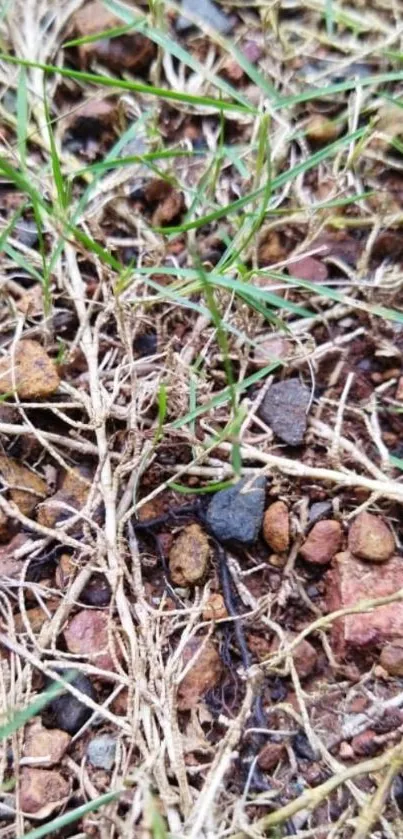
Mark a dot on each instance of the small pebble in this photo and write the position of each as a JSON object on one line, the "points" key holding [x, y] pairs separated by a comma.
{"points": [[101, 751], [370, 538], [319, 510], [392, 658], [285, 409], [322, 542], [236, 514], [302, 746], [42, 791], [364, 744], [189, 556], [66, 711], [209, 12], [203, 675], [276, 527], [270, 756]]}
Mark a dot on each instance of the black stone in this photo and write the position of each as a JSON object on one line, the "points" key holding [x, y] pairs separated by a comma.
{"points": [[146, 344], [285, 408], [397, 790], [302, 747], [235, 514], [67, 712], [97, 592]]}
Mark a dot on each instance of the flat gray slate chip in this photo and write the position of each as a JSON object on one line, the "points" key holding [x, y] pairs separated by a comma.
{"points": [[284, 409], [235, 514]]}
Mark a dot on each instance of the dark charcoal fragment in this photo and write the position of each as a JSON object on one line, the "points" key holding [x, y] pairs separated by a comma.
{"points": [[302, 747], [277, 689], [97, 592], [146, 344], [284, 409], [397, 791], [67, 712], [235, 514]]}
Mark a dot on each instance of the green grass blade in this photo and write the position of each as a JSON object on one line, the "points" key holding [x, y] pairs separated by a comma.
{"points": [[134, 87], [22, 117], [163, 40], [337, 296], [340, 87], [71, 816], [278, 181], [54, 158], [215, 486], [224, 396]]}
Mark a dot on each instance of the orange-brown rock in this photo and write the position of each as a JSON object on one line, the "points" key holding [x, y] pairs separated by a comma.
{"points": [[167, 203], [276, 527], [392, 658], [270, 756], [370, 538], [10, 564], [35, 375], [270, 349], [36, 617], [24, 487], [42, 791], [73, 493], [86, 635], [322, 542], [319, 129], [31, 302], [304, 656], [45, 745], [203, 675], [189, 556], [365, 744], [215, 608], [352, 581]]}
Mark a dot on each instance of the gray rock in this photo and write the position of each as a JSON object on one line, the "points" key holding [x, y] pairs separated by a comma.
{"points": [[284, 409], [208, 12], [235, 514], [66, 711], [101, 751], [319, 510]]}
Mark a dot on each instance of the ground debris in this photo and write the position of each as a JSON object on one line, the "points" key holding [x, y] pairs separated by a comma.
{"points": [[131, 51]]}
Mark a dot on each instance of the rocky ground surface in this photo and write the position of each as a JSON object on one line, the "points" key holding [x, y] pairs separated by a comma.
{"points": [[201, 419]]}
